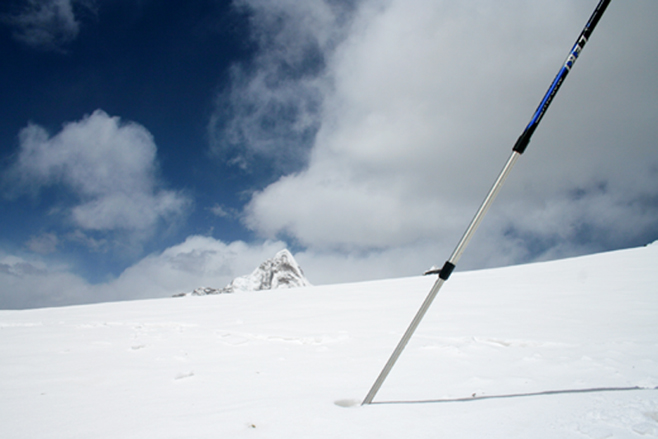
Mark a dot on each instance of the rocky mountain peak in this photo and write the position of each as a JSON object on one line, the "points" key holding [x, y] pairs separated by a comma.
{"points": [[282, 271]]}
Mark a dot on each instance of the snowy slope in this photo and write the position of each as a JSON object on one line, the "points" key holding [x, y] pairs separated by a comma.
{"points": [[272, 364]]}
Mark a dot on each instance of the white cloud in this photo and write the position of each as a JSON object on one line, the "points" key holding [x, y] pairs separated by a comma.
{"points": [[427, 99], [94, 244], [32, 283], [28, 282], [108, 164], [271, 111], [224, 211], [198, 261], [47, 24]]}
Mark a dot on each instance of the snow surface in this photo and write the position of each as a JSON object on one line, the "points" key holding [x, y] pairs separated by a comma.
{"points": [[295, 363]]}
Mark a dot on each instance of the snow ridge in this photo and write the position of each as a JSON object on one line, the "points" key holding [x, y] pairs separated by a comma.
{"points": [[282, 271]]}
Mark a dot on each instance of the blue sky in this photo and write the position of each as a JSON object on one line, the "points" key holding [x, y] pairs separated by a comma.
{"points": [[152, 63], [152, 147]]}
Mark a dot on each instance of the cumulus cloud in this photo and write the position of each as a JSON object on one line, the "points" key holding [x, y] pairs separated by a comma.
{"points": [[424, 102], [28, 282], [47, 24], [109, 165]]}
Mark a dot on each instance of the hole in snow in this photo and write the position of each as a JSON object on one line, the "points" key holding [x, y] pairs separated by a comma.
{"points": [[347, 402]]}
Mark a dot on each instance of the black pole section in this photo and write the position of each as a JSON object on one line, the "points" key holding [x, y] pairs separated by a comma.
{"points": [[519, 148], [524, 139]]}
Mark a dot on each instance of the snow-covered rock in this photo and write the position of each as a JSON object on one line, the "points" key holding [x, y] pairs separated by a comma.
{"points": [[201, 291], [282, 271]]}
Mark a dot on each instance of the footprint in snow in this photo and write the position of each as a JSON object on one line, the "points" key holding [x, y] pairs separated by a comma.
{"points": [[183, 375]]}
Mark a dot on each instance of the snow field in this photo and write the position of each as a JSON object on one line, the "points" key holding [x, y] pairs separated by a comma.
{"points": [[274, 364]]}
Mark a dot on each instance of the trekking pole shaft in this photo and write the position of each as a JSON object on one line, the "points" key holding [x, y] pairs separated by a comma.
{"points": [[484, 207], [403, 342], [475, 222], [517, 150]]}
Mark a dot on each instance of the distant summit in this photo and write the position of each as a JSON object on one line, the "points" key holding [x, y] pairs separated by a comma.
{"points": [[282, 271]]}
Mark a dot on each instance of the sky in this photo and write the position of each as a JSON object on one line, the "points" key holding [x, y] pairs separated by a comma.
{"points": [[150, 147]]}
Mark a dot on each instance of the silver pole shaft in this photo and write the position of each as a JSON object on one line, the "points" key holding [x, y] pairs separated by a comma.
{"points": [[403, 342], [477, 219], [456, 254]]}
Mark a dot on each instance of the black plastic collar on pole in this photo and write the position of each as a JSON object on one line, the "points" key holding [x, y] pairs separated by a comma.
{"points": [[518, 149], [446, 271]]}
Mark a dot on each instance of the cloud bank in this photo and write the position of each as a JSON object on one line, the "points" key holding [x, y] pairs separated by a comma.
{"points": [[421, 104], [30, 282]]}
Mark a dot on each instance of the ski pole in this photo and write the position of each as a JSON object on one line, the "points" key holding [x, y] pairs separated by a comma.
{"points": [[517, 150]]}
